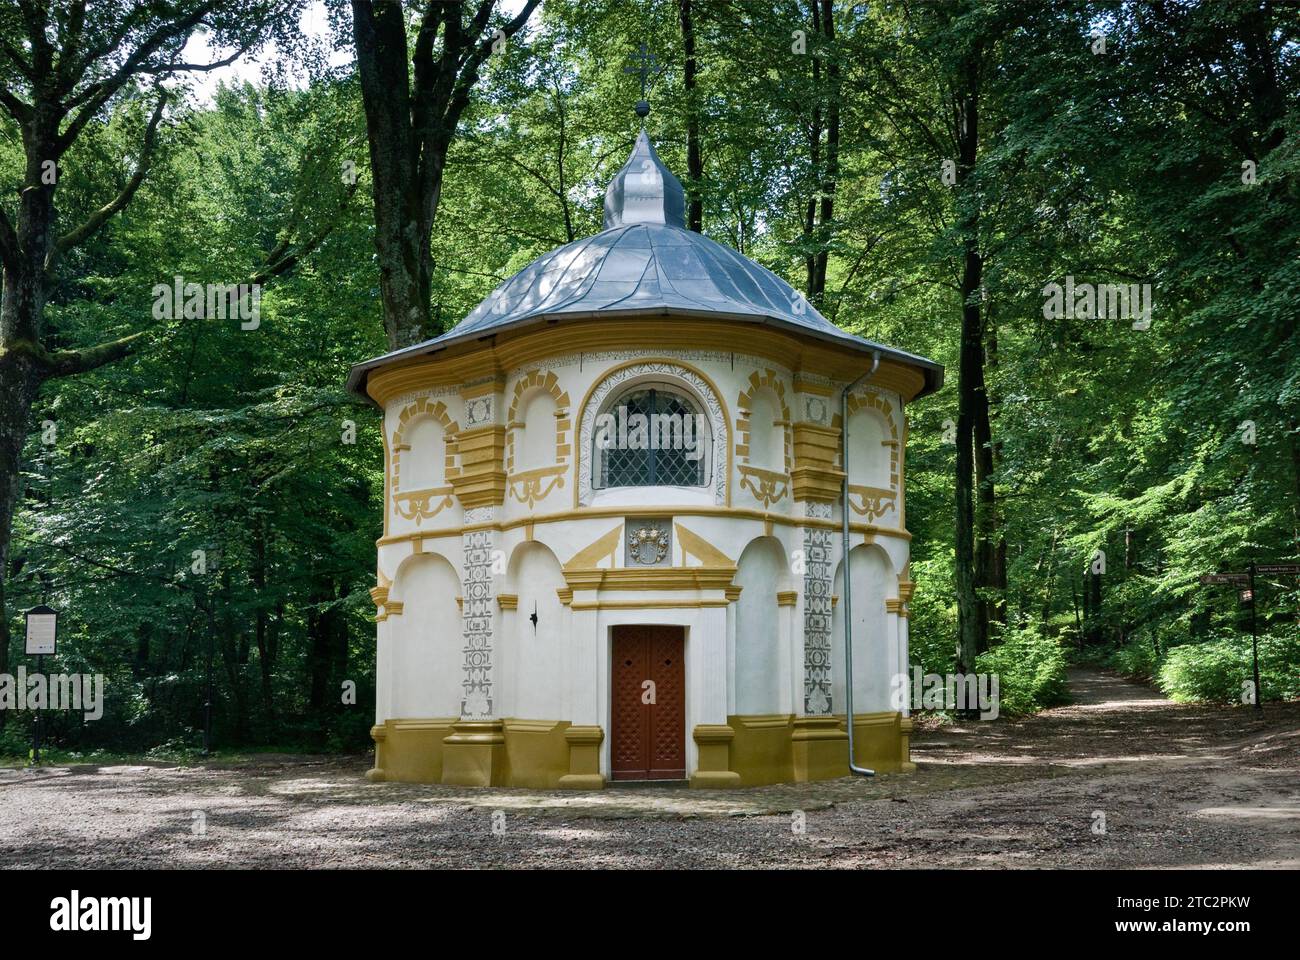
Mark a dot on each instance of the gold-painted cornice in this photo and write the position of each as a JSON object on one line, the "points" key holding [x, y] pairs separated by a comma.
{"points": [[713, 733], [589, 735], [650, 578], [676, 510], [647, 604], [483, 388], [822, 484], [506, 350]]}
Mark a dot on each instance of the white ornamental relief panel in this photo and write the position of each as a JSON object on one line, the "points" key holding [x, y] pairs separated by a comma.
{"points": [[479, 700]]}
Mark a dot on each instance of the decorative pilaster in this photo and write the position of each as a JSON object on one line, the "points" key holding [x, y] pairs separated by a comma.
{"points": [[474, 755], [479, 702], [817, 614], [816, 474], [818, 748]]}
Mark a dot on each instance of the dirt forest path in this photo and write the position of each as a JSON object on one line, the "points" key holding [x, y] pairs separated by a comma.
{"points": [[1097, 689], [1119, 778]]}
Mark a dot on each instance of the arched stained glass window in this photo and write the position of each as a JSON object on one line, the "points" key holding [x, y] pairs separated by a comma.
{"points": [[652, 436]]}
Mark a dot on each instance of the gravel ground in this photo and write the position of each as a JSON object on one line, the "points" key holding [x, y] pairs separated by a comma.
{"points": [[1173, 785]]}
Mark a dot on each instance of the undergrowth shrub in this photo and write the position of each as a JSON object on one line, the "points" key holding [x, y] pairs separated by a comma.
{"points": [[1030, 668], [1218, 669]]}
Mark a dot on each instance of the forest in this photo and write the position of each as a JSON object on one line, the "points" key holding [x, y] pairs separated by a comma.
{"points": [[1087, 210]]}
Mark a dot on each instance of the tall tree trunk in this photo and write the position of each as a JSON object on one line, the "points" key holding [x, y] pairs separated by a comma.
{"points": [[1093, 622], [339, 666], [1051, 576], [986, 524], [972, 635], [832, 169], [18, 386], [992, 403], [265, 668], [815, 130], [4, 641], [230, 643], [1078, 619], [405, 263], [410, 127], [260, 626], [971, 630], [694, 163]]}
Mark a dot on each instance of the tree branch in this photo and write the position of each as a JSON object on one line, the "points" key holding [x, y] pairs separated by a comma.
{"points": [[67, 363], [101, 216], [69, 42], [20, 111], [182, 67], [283, 258], [93, 98], [15, 57], [468, 75]]}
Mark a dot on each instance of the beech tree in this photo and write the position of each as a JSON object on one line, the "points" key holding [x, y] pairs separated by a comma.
{"points": [[64, 68], [414, 98]]}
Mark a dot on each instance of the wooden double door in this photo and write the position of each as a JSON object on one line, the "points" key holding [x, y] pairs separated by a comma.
{"points": [[648, 706]]}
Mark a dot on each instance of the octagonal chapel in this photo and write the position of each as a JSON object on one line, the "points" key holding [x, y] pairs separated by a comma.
{"points": [[613, 545]]}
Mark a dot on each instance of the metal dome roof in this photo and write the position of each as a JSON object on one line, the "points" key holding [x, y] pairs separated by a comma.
{"points": [[645, 262]]}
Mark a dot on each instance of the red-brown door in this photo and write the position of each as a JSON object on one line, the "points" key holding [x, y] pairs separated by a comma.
{"points": [[648, 720]]}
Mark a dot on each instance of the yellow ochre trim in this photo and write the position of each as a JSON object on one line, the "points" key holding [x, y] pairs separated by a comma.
{"points": [[647, 604], [482, 388], [513, 349], [747, 750], [603, 547], [650, 578], [699, 548], [590, 513]]}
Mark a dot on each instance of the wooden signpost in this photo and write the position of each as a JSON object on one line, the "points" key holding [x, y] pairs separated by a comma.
{"points": [[1274, 569], [42, 636], [1246, 580]]}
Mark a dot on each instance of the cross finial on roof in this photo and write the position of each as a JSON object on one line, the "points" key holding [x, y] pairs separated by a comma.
{"points": [[645, 63]]}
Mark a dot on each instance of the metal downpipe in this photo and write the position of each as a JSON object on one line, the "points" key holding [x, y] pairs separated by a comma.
{"points": [[848, 580]]}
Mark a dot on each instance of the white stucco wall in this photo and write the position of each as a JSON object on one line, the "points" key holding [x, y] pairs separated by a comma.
{"points": [[746, 658], [875, 640], [425, 675], [532, 657], [759, 662]]}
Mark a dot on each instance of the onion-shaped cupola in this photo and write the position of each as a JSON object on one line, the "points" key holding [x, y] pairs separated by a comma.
{"points": [[644, 191]]}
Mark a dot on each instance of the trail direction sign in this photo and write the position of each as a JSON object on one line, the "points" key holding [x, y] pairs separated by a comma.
{"points": [[1234, 578]]}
